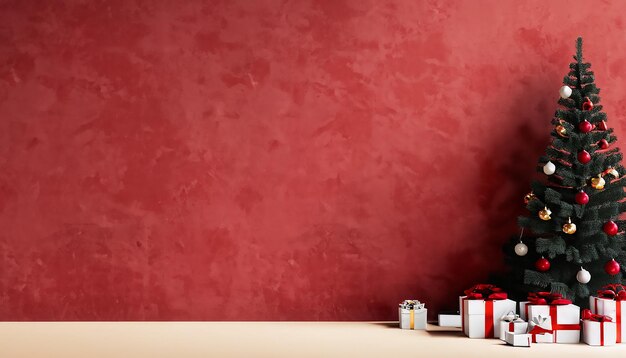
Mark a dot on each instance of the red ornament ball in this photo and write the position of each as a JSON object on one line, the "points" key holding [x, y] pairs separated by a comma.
{"points": [[587, 105], [602, 126], [542, 265], [582, 198], [610, 228], [585, 126], [612, 267], [584, 157], [603, 144]]}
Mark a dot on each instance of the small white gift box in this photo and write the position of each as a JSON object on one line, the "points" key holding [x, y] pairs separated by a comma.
{"points": [[412, 315], [449, 319], [540, 330], [512, 323], [614, 309], [481, 318], [565, 320], [517, 340], [599, 333]]}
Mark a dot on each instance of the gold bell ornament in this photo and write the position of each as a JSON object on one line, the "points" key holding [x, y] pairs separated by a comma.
{"points": [[561, 131], [598, 183], [569, 227], [544, 214], [528, 197]]}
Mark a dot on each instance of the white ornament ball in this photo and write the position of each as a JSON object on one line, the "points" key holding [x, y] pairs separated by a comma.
{"points": [[565, 92], [521, 249], [549, 168], [583, 276]]}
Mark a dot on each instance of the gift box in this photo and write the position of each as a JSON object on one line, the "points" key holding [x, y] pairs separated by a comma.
{"points": [[540, 298], [611, 301], [540, 330], [481, 310], [449, 319], [511, 322], [598, 330], [565, 317], [517, 340], [412, 315]]}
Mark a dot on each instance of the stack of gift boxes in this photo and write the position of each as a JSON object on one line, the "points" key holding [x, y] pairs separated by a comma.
{"points": [[606, 316], [486, 312]]}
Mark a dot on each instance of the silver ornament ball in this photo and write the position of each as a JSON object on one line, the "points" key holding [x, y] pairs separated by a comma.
{"points": [[565, 92], [549, 168], [521, 249], [583, 276]]}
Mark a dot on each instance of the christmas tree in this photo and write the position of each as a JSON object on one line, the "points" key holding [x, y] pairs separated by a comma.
{"points": [[571, 241]]}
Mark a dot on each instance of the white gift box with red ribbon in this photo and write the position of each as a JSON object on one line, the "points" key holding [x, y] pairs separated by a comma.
{"points": [[614, 309], [565, 320], [482, 318], [512, 323], [599, 333]]}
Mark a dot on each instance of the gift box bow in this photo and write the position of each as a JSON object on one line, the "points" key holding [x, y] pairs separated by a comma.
{"points": [[547, 298], [485, 292], [511, 317], [614, 291], [412, 305], [588, 316], [540, 321]]}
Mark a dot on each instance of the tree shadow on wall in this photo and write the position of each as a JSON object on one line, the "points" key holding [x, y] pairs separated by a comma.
{"points": [[502, 178]]}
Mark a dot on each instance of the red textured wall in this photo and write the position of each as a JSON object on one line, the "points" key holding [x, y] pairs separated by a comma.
{"points": [[274, 160]]}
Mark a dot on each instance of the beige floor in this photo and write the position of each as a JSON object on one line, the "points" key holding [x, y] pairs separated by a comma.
{"points": [[261, 339]]}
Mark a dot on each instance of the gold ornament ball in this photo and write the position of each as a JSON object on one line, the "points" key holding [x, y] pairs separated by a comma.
{"points": [[528, 197], [544, 214], [570, 227], [561, 131], [598, 183]]}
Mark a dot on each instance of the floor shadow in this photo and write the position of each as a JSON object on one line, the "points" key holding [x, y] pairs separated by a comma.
{"points": [[508, 345], [388, 324], [442, 333], [431, 328]]}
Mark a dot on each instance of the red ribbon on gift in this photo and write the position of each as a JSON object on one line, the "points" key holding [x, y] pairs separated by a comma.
{"points": [[489, 293], [538, 330], [587, 315], [485, 292], [617, 292], [560, 327], [547, 298], [618, 318]]}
